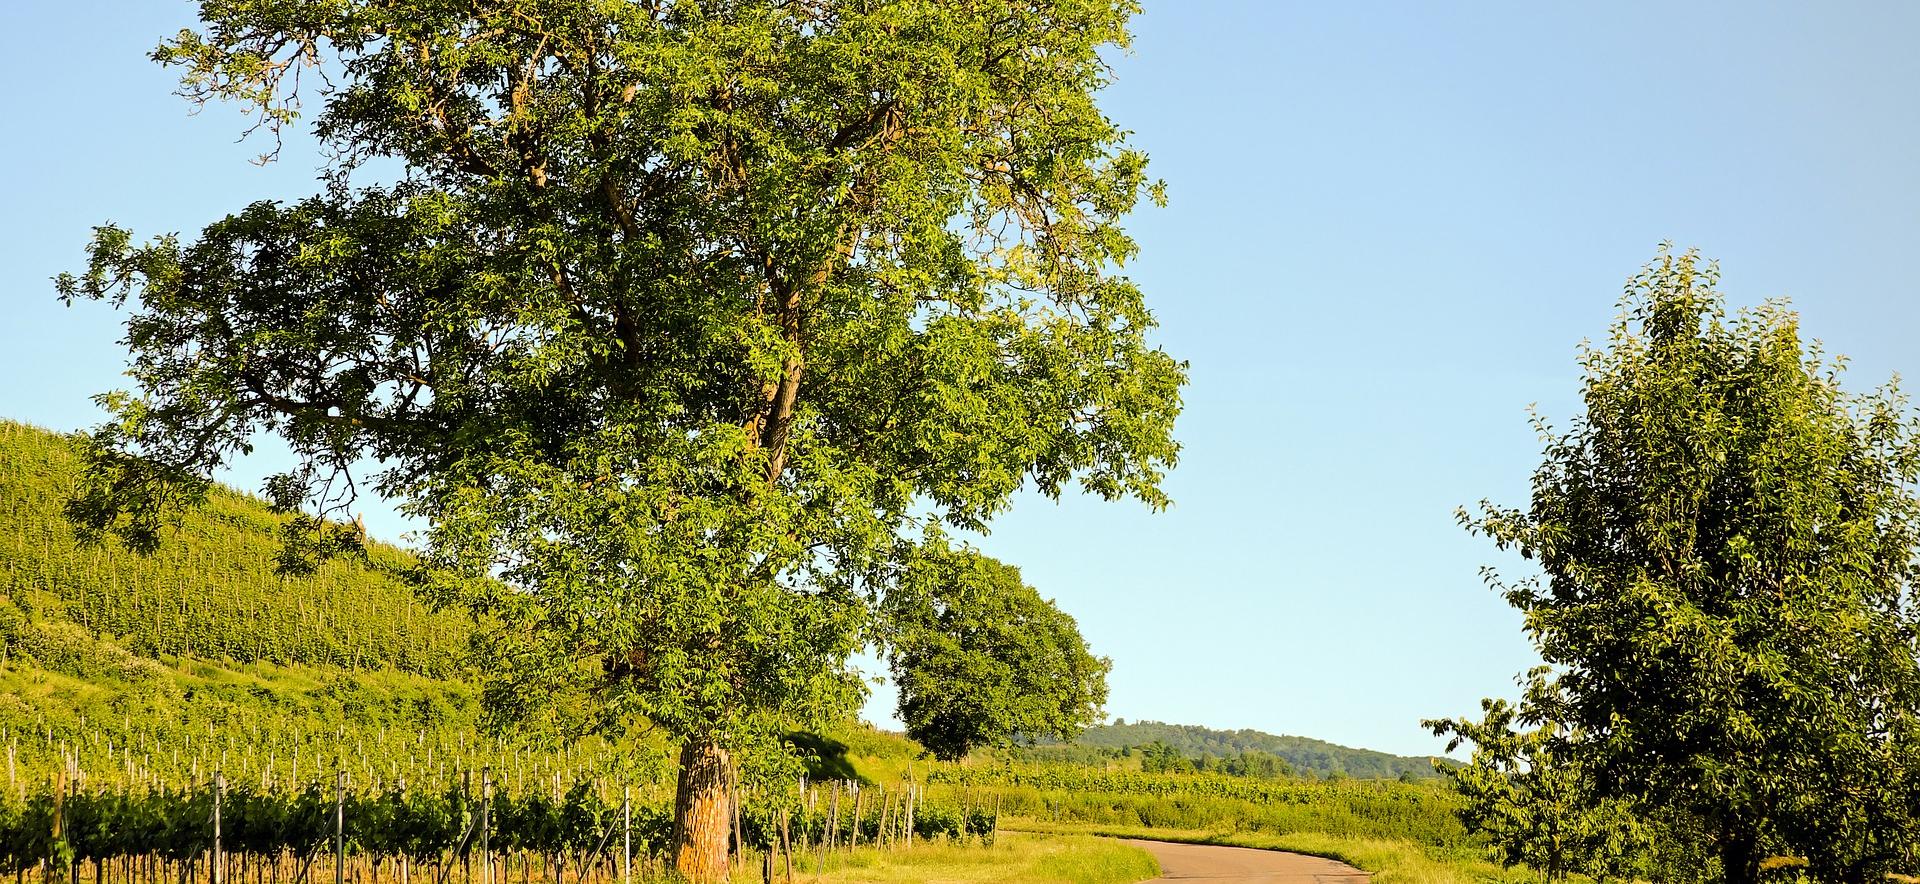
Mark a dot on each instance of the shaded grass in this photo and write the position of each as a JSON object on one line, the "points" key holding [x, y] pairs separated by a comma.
{"points": [[1390, 860], [1016, 858]]}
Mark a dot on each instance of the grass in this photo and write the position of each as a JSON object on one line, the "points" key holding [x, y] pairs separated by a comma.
{"points": [[1016, 858], [1391, 861]]}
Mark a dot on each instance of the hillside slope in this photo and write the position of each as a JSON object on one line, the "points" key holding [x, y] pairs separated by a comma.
{"points": [[100, 645], [210, 591], [161, 668]]}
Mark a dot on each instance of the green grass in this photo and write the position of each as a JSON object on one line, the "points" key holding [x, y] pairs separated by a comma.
{"points": [[1016, 858], [1391, 860]]}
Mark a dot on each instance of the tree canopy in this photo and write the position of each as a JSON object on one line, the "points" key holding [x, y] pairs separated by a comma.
{"points": [[1725, 601], [676, 322], [981, 658]]}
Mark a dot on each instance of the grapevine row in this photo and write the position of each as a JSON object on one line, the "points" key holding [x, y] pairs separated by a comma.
{"points": [[163, 834]]}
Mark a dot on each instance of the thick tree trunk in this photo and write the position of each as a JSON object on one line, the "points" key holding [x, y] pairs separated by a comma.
{"points": [[702, 812]]}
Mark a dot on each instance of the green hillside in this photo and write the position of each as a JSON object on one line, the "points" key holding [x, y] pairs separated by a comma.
{"points": [[210, 591], [204, 637], [143, 671], [1304, 755], [158, 668]]}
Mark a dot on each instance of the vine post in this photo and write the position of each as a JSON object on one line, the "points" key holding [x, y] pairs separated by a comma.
{"points": [[339, 827], [833, 823], [786, 842], [486, 823], [466, 795], [859, 801], [219, 795]]}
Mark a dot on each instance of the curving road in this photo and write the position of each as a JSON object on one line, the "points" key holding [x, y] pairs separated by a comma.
{"points": [[1205, 862]]}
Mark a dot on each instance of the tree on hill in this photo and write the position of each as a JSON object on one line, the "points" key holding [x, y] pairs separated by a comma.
{"points": [[1158, 757], [675, 322], [1727, 545]]}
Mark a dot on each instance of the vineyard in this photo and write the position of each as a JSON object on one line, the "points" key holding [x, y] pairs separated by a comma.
{"points": [[1424, 813], [350, 746], [210, 591], [332, 709], [466, 831]]}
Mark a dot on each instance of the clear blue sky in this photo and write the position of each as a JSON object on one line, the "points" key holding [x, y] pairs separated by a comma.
{"points": [[1391, 225]]}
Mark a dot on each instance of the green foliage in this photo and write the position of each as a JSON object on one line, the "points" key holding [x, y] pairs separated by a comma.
{"points": [[143, 734], [276, 725], [212, 590], [434, 824], [675, 318], [1158, 757], [1424, 813], [980, 658], [825, 758], [1727, 544], [1529, 794]]}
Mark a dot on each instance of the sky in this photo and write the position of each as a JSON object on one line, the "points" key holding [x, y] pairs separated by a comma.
{"points": [[1390, 228]]}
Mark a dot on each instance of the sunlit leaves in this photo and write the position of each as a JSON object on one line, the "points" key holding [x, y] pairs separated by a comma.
{"points": [[1727, 544], [675, 323]]}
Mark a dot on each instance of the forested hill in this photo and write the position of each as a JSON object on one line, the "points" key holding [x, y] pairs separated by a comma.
{"points": [[210, 591], [1302, 754]]}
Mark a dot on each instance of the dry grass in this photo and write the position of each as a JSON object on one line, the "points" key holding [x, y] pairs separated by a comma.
{"points": [[1017, 858]]}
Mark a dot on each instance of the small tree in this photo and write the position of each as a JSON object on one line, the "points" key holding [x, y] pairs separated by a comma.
{"points": [[670, 319], [1727, 546], [1160, 757], [981, 658]]}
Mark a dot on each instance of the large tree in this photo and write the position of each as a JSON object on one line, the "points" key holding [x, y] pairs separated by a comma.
{"points": [[674, 321], [1726, 600]]}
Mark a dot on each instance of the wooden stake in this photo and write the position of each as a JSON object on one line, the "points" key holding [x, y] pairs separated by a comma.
{"points": [[786, 843], [859, 801], [219, 793], [339, 827]]}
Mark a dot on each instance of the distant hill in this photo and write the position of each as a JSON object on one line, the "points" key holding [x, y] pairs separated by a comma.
{"points": [[1305, 755]]}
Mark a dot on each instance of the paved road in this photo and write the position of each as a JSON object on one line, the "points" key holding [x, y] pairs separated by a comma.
{"points": [[1195, 862]]}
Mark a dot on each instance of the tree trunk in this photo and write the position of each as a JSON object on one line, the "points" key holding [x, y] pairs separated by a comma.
{"points": [[1739, 860], [702, 812]]}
